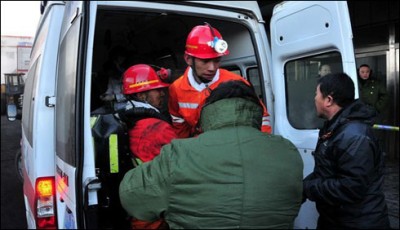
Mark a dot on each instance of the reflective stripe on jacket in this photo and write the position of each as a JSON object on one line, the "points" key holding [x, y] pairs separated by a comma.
{"points": [[185, 102]]}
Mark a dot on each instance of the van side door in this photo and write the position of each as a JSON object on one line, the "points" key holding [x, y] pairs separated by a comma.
{"points": [[304, 36], [69, 117]]}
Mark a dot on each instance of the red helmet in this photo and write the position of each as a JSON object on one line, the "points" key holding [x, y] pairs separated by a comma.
{"points": [[206, 42], [139, 78]]}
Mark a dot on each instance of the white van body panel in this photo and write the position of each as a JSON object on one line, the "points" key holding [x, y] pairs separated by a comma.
{"points": [[66, 174], [29, 179], [66, 196], [300, 29], [38, 158], [88, 148]]}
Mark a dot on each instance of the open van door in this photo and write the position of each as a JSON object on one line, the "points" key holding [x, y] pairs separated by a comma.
{"points": [[72, 170], [304, 36]]}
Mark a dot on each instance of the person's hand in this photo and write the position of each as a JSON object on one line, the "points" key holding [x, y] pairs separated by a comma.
{"points": [[107, 97]]}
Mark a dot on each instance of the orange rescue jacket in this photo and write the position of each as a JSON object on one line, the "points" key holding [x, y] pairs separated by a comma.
{"points": [[187, 97]]}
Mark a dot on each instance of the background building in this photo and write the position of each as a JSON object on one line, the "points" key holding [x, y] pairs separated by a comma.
{"points": [[15, 57], [15, 52], [376, 43]]}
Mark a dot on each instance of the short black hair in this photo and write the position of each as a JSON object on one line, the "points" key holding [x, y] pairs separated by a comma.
{"points": [[231, 89], [364, 65], [339, 86]]}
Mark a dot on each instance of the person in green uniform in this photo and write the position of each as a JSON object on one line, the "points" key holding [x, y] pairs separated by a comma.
{"points": [[372, 91], [230, 176]]}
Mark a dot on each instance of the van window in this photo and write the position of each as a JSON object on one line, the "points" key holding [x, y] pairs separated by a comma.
{"points": [[301, 77], [236, 71], [28, 109], [66, 94], [254, 78], [252, 75]]}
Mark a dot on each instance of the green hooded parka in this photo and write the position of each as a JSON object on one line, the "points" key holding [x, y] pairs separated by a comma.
{"points": [[230, 176]]}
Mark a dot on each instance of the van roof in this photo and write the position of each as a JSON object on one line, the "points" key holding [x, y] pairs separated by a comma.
{"points": [[250, 6]]}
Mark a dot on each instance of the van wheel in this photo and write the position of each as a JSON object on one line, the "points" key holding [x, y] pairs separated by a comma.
{"points": [[18, 166]]}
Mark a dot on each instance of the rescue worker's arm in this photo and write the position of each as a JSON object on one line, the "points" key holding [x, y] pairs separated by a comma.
{"points": [[148, 136], [355, 170], [144, 189], [181, 127], [266, 124]]}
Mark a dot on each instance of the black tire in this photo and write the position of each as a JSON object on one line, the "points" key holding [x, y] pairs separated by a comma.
{"points": [[18, 166]]}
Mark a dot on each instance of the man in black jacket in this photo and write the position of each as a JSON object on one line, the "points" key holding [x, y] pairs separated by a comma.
{"points": [[347, 181]]}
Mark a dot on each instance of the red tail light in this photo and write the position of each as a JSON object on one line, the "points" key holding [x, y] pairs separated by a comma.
{"points": [[45, 202]]}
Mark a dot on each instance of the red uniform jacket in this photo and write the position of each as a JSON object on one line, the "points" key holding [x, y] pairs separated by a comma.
{"points": [[148, 136], [146, 139]]}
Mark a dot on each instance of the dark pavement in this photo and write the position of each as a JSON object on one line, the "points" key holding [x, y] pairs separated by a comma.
{"points": [[391, 189], [12, 200]]}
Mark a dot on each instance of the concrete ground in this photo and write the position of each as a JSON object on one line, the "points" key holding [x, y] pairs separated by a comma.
{"points": [[391, 189]]}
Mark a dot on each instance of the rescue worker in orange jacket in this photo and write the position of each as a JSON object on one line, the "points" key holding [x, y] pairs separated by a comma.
{"points": [[149, 129], [204, 49]]}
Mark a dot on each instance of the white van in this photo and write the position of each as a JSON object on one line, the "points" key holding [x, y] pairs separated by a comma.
{"points": [[71, 172]]}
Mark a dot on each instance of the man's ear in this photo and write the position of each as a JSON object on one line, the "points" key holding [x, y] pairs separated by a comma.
{"points": [[188, 59], [329, 100]]}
